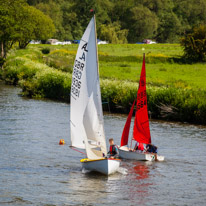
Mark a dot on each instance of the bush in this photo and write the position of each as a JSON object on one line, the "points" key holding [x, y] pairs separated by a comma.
{"points": [[61, 59], [194, 44], [39, 80], [45, 50], [53, 84]]}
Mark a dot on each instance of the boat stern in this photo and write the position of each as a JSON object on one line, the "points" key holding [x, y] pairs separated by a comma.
{"points": [[104, 165]]}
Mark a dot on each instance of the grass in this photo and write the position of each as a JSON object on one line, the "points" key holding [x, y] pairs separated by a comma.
{"points": [[172, 85], [191, 76], [170, 50], [123, 62]]}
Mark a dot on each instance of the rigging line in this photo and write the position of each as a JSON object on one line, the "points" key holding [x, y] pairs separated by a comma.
{"points": [[77, 150]]}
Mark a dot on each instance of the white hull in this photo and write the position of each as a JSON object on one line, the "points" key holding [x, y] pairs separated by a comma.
{"points": [[124, 153], [104, 166]]}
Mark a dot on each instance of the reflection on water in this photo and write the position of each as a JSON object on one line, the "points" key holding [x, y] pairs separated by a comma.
{"points": [[140, 182], [141, 169], [35, 170]]}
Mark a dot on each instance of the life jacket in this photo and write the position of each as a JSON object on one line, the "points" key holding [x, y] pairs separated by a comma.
{"points": [[140, 146], [112, 150]]}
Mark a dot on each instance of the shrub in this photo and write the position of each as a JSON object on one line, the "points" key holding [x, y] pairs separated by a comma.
{"points": [[38, 80], [194, 44], [53, 84], [45, 50], [61, 59]]}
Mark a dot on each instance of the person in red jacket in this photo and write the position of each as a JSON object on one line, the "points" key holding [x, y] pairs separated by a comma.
{"points": [[139, 146], [113, 150]]}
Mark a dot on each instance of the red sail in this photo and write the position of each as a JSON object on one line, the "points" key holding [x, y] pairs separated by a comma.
{"points": [[141, 131], [125, 133]]}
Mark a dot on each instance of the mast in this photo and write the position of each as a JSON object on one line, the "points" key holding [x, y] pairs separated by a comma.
{"points": [[95, 30]]}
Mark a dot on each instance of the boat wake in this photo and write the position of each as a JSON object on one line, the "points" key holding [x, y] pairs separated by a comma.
{"points": [[84, 171], [122, 171]]}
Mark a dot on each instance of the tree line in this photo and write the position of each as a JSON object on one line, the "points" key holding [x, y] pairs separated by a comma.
{"points": [[118, 21], [122, 21]]}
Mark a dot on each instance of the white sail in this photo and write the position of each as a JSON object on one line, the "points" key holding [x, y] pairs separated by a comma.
{"points": [[86, 120]]}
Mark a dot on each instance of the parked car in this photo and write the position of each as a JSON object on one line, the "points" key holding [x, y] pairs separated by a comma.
{"points": [[62, 43], [76, 41], [35, 42], [102, 42], [148, 41], [67, 42]]}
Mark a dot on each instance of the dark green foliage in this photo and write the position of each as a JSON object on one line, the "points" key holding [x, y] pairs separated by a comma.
{"points": [[9, 25], [125, 20], [194, 44], [45, 50], [113, 33], [2, 60], [34, 25], [21, 23], [178, 105], [142, 23]]}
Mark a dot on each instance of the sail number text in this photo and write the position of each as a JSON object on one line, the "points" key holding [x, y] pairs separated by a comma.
{"points": [[141, 99], [78, 71]]}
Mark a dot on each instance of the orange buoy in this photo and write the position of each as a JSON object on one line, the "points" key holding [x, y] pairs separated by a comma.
{"points": [[61, 142]]}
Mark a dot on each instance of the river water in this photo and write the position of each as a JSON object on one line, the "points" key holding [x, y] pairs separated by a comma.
{"points": [[35, 170]]}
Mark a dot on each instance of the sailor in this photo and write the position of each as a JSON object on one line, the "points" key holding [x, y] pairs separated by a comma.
{"points": [[151, 148], [113, 150], [139, 146]]}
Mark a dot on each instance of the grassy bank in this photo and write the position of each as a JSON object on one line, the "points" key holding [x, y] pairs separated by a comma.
{"points": [[176, 91]]}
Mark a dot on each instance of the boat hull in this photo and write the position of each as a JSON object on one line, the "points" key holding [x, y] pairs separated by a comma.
{"points": [[124, 153], [104, 166]]}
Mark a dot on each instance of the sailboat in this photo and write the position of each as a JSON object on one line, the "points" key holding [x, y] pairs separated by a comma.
{"points": [[141, 129], [86, 116]]}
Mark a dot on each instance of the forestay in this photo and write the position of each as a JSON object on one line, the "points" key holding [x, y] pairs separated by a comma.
{"points": [[86, 117]]}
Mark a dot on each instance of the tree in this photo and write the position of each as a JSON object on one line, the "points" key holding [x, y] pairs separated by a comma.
{"points": [[142, 24], [113, 33], [190, 14], [82, 9], [21, 23], [71, 24], [35, 25], [169, 26], [194, 44], [9, 12], [103, 10], [163, 20], [169, 29], [54, 11]]}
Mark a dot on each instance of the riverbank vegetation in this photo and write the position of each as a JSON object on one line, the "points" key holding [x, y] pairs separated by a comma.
{"points": [[176, 90]]}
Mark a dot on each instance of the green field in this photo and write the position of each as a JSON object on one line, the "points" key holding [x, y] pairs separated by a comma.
{"points": [[176, 90], [123, 62]]}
